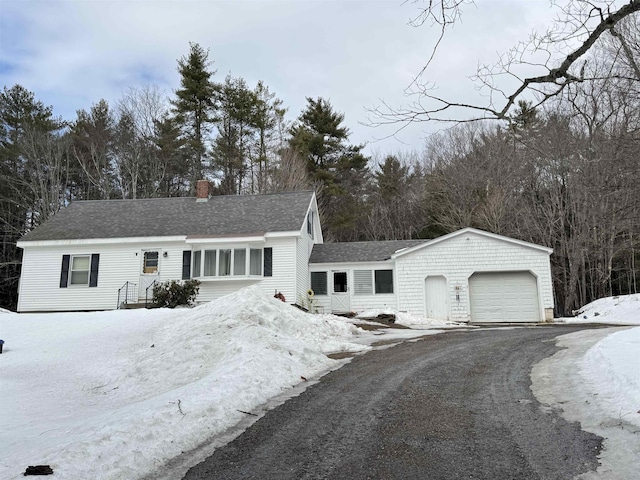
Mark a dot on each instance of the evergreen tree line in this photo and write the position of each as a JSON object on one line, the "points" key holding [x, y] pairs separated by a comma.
{"points": [[564, 176]]}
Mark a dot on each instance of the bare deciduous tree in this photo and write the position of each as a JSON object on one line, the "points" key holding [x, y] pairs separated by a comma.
{"points": [[579, 27]]}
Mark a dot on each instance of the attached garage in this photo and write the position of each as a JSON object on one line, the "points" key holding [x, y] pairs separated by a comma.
{"points": [[504, 297], [466, 276]]}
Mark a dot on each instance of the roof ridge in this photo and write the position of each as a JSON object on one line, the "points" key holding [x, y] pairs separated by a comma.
{"points": [[247, 195], [378, 241]]}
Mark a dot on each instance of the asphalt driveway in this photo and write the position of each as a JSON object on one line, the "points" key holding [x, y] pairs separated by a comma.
{"points": [[450, 406]]}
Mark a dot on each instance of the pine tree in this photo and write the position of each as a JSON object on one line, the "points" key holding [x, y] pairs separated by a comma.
{"points": [[269, 123], [26, 126], [337, 170], [172, 156], [195, 107], [93, 135], [236, 135]]}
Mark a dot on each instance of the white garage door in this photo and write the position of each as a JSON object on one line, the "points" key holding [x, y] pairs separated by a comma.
{"points": [[504, 297]]}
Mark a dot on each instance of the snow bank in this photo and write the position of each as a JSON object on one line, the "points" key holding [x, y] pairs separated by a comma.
{"points": [[116, 394], [620, 310], [595, 380], [611, 367]]}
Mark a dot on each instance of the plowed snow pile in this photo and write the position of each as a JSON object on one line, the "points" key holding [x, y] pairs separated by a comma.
{"points": [[111, 395], [620, 310]]}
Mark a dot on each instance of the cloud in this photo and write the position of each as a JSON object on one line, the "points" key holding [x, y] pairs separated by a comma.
{"points": [[73, 53]]}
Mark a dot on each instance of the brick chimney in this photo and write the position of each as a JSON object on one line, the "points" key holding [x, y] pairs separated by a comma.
{"points": [[202, 191]]}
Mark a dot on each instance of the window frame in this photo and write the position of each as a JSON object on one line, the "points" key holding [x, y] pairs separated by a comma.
{"points": [[144, 262], [250, 259], [72, 270], [326, 282], [260, 262], [310, 223], [376, 282]]}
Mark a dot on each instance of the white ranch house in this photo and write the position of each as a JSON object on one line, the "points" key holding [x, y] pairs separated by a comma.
{"points": [[97, 255]]}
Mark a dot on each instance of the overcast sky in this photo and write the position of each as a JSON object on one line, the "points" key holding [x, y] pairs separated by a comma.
{"points": [[355, 53]]}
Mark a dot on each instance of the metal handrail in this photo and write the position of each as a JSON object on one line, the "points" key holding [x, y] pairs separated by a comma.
{"points": [[146, 292], [127, 287]]}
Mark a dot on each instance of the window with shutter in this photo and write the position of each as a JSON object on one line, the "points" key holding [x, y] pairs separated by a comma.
{"points": [[79, 271]]}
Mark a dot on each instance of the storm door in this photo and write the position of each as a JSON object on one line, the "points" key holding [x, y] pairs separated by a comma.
{"points": [[150, 273], [340, 293]]}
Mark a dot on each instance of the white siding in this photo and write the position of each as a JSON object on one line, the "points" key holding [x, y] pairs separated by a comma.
{"points": [[304, 246], [358, 303], [457, 259], [40, 279], [282, 279]]}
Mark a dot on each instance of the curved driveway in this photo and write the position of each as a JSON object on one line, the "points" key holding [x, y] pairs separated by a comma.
{"points": [[450, 406]]}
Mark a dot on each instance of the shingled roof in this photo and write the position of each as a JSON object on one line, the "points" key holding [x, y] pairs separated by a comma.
{"points": [[347, 252], [158, 217]]}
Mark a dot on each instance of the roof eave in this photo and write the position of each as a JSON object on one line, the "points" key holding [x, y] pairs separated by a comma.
{"points": [[98, 241], [462, 231]]}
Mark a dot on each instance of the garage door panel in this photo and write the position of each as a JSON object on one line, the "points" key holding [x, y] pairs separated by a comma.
{"points": [[503, 297]]}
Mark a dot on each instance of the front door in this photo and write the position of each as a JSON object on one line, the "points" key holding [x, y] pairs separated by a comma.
{"points": [[340, 294], [150, 273]]}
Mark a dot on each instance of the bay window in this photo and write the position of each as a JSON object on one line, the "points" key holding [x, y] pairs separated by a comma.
{"points": [[224, 266], [255, 261], [209, 263], [227, 262]]}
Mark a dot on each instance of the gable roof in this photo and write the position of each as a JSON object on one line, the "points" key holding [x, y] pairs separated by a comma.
{"points": [[475, 231], [352, 252], [226, 215], [347, 252]]}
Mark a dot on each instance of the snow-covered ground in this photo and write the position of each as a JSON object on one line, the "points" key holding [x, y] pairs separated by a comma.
{"points": [[595, 380], [115, 395], [620, 310], [409, 320]]}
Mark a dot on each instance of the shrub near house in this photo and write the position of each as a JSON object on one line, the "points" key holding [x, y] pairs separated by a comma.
{"points": [[171, 294]]}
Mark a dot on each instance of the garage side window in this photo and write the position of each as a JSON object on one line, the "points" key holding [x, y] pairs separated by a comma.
{"points": [[363, 282], [384, 281], [319, 283]]}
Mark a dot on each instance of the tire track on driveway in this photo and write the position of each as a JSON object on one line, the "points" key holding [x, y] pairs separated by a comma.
{"points": [[450, 406]]}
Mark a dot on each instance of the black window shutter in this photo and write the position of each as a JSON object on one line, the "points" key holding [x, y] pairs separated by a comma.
{"points": [[268, 262], [186, 264], [64, 273], [93, 277]]}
